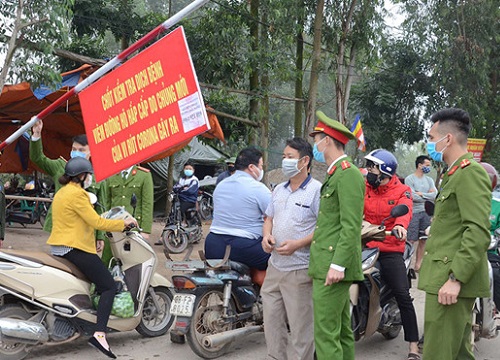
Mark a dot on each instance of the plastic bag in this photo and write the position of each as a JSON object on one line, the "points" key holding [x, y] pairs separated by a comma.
{"points": [[123, 304]]}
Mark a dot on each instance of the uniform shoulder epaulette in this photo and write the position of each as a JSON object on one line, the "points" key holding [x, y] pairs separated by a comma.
{"points": [[452, 170], [345, 164], [464, 163], [143, 169], [332, 170], [63, 159]]}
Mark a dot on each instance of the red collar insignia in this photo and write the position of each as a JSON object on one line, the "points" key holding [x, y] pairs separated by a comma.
{"points": [[452, 170], [332, 170], [134, 172]]}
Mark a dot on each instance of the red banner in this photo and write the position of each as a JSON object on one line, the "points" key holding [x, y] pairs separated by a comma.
{"points": [[476, 147], [148, 105]]}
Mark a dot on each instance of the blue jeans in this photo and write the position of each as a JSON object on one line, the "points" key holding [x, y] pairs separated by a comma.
{"points": [[243, 250]]}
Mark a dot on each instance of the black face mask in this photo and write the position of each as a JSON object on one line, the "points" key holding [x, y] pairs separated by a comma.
{"points": [[230, 168], [373, 180]]}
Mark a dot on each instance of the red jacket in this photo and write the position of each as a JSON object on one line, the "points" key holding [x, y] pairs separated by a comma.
{"points": [[378, 205]]}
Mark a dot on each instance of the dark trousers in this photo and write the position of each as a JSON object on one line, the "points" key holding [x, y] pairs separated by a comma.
{"points": [[243, 250], [94, 269], [393, 271], [184, 209]]}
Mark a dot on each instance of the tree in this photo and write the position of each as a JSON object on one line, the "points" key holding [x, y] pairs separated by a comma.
{"points": [[44, 24]]}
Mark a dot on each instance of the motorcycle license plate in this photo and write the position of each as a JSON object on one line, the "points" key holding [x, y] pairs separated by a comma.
{"points": [[182, 305]]}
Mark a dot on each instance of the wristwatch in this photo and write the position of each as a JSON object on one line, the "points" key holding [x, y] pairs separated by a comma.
{"points": [[452, 277]]}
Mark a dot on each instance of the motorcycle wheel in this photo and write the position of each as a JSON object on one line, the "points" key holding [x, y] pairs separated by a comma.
{"points": [[43, 214], [175, 244], [207, 320], [206, 208], [12, 350], [156, 322], [393, 331]]}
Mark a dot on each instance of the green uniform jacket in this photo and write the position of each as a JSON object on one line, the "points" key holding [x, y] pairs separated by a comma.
{"points": [[140, 183], [3, 205], [495, 215], [337, 237], [459, 235], [55, 169]]}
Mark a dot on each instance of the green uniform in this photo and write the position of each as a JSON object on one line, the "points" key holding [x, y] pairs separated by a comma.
{"points": [[495, 215], [458, 241], [55, 169], [3, 205], [140, 183], [337, 240]]}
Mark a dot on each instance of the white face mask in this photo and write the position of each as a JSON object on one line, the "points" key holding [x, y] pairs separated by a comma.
{"points": [[261, 173], [290, 167], [88, 181]]}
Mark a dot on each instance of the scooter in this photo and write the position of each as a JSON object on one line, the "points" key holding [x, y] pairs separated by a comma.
{"points": [[216, 302], [373, 306], [176, 236], [45, 299]]}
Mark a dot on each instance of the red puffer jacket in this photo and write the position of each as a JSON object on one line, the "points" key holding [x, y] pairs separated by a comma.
{"points": [[378, 205]]}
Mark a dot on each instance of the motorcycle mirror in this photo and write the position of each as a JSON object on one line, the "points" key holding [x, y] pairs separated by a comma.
{"points": [[133, 200], [92, 197], [399, 210], [429, 208]]}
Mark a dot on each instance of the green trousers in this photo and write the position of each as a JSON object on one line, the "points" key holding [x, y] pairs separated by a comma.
{"points": [[333, 336], [447, 329]]}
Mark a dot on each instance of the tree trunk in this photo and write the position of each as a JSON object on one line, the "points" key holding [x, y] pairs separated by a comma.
{"points": [[264, 110], [299, 66], [253, 114], [12, 45], [316, 58]]}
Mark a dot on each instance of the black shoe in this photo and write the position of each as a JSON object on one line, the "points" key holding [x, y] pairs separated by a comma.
{"points": [[159, 242], [95, 344]]}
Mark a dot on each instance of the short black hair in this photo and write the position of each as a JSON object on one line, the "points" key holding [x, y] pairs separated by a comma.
{"points": [[456, 118], [246, 157], [81, 139], [421, 159], [189, 163], [303, 147]]}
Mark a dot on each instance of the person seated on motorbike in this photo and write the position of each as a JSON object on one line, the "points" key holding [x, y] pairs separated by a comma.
{"points": [[494, 254], [240, 202], [187, 188], [72, 237], [383, 192]]}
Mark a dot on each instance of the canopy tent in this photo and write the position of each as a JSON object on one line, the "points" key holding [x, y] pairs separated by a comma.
{"points": [[18, 104]]}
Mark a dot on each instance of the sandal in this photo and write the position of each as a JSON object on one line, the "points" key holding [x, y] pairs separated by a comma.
{"points": [[413, 356]]}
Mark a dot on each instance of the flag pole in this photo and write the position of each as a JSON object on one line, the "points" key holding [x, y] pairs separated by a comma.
{"points": [[117, 60]]}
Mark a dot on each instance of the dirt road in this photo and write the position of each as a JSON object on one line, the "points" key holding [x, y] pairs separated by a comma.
{"points": [[132, 346]]}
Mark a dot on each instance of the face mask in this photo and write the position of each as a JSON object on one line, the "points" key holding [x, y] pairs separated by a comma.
{"points": [[75, 153], [290, 168], [431, 149], [88, 181], [318, 155], [426, 169], [373, 180], [188, 173], [261, 174], [230, 168]]}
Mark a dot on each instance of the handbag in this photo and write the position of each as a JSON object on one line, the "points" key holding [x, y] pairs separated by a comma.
{"points": [[123, 304]]}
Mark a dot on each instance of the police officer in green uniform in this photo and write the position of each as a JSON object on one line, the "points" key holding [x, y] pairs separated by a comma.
{"points": [[335, 260], [455, 266], [134, 180], [55, 169]]}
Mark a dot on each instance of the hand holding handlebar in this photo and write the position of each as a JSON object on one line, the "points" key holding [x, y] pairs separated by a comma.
{"points": [[130, 223]]}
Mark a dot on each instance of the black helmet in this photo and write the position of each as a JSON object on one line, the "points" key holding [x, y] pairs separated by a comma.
{"points": [[77, 166]]}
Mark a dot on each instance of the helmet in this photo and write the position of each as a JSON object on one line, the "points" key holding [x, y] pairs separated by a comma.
{"points": [[385, 160], [492, 173], [77, 166]]}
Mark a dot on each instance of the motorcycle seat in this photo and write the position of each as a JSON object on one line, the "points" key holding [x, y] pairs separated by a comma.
{"points": [[49, 260], [239, 267]]}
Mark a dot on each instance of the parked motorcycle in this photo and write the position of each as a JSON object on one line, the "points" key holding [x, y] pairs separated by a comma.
{"points": [[176, 236], [46, 299], [205, 204], [373, 306], [215, 303], [28, 206]]}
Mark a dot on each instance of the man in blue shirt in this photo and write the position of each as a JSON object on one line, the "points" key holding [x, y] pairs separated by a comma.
{"points": [[240, 202]]}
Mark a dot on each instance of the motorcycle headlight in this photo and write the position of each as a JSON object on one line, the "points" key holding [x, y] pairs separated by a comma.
{"points": [[369, 261]]}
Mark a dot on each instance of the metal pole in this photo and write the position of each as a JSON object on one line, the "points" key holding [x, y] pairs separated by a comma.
{"points": [[195, 5]]}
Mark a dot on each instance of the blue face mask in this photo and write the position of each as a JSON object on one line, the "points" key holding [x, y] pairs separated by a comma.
{"points": [[75, 153], [188, 173], [318, 155], [431, 149], [426, 169]]}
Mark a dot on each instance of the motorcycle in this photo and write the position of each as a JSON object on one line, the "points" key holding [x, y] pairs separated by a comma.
{"points": [[45, 299], [205, 204], [215, 303], [373, 306], [176, 236], [28, 206]]}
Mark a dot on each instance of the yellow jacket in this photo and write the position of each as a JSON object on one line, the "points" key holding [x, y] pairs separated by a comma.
{"points": [[74, 220]]}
